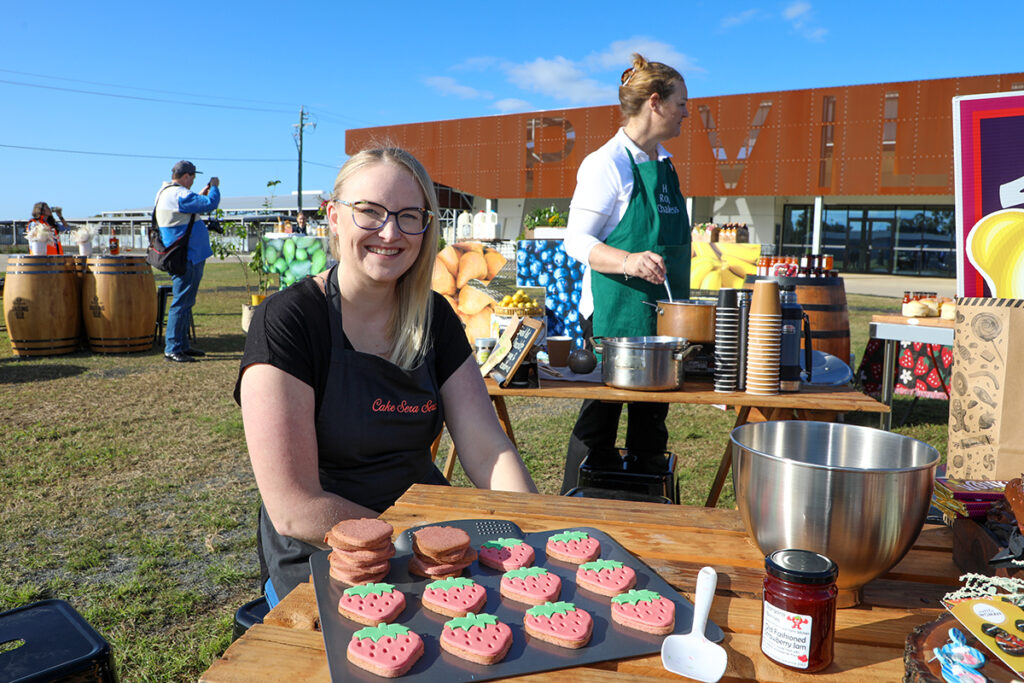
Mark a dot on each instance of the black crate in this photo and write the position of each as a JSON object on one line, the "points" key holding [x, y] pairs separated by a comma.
{"points": [[652, 475], [50, 641]]}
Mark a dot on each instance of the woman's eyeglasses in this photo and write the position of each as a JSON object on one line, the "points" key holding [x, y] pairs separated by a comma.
{"points": [[372, 216]]}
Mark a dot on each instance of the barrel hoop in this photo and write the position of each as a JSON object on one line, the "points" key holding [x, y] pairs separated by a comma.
{"points": [[35, 271], [99, 270], [51, 340], [829, 334], [823, 307], [112, 340]]}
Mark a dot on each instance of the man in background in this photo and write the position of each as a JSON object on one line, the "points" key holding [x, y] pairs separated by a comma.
{"points": [[176, 204]]}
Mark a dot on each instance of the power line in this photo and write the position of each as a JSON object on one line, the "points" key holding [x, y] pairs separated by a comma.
{"points": [[156, 156], [130, 87], [144, 99]]}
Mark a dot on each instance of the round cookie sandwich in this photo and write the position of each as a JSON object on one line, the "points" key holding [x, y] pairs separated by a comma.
{"points": [[454, 597], [559, 623], [479, 638], [371, 603], [440, 544], [428, 568], [360, 534], [440, 551]]}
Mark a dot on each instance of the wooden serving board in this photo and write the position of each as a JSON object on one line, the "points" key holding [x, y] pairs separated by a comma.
{"points": [[920, 662]]}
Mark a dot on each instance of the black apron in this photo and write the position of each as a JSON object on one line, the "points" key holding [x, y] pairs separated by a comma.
{"points": [[374, 430]]}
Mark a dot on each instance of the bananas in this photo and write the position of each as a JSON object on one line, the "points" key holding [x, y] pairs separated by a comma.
{"points": [[717, 265], [996, 248]]}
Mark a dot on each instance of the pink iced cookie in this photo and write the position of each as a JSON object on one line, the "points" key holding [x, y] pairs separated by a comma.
{"points": [[504, 554], [575, 547], [532, 585], [388, 650]]}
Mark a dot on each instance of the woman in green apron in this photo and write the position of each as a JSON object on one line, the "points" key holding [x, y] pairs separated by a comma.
{"points": [[628, 224]]}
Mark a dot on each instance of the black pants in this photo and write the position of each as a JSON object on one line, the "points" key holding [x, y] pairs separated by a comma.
{"points": [[598, 425]]}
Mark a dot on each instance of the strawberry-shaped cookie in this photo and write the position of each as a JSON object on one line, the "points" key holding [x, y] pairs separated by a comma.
{"points": [[605, 577], [454, 597], [644, 610], [504, 554], [532, 585], [559, 623], [575, 547], [479, 638], [371, 603], [388, 650]]}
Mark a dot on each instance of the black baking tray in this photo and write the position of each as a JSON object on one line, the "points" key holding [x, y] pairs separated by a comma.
{"points": [[527, 655]]}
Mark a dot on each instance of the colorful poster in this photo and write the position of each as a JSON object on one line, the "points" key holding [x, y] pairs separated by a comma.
{"points": [[988, 145]]}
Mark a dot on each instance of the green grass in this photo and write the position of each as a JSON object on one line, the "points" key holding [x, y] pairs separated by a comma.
{"points": [[127, 489]]}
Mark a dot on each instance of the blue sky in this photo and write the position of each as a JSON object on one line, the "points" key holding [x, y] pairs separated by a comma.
{"points": [[148, 83]]}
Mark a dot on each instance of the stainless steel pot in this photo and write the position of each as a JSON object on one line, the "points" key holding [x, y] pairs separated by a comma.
{"points": [[643, 363]]}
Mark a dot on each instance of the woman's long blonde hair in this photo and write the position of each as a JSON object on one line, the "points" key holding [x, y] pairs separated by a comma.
{"points": [[409, 326], [642, 80]]}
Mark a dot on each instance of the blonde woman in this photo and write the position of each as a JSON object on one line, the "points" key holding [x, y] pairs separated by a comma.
{"points": [[348, 376], [628, 224]]}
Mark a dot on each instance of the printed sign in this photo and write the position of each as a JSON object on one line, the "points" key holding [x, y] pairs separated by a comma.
{"points": [[988, 148]]}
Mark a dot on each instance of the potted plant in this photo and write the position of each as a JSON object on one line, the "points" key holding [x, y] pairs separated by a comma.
{"points": [[257, 280], [545, 217]]}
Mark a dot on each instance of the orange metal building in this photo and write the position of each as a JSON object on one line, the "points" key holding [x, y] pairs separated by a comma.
{"points": [[831, 168]]}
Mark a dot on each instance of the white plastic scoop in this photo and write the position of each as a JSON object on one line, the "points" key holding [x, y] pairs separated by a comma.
{"points": [[692, 654]]}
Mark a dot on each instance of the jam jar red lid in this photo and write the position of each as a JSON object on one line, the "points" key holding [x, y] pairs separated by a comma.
{"points": [[801, 566]]}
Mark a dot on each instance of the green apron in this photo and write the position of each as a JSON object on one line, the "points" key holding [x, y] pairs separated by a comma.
{"points": [[655, 220]]}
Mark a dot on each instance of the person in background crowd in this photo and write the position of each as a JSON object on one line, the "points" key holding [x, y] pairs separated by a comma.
{"points": [[628, 224], [175, 205], [43, 214], [300, 224], [347, 377]]}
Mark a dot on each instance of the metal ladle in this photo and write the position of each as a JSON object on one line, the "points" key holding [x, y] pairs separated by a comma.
{"points": [[692, 654]]}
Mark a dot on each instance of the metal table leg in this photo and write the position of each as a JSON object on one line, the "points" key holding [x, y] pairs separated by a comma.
{"points": [[888, 370]]}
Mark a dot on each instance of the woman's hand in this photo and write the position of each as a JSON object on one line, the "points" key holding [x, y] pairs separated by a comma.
{"points": [[646, 265], [488, 457], [642, 264]]}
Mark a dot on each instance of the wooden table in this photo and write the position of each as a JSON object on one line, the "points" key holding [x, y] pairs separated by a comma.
{"points": [[810, 403], [896, 328], [676, 542]]}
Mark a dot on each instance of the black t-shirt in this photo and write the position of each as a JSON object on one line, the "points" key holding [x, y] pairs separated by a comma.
{"points": [[292, 332]]}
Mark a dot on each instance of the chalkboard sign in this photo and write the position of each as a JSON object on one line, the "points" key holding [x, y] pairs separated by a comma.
{"points": [[520, 340]]}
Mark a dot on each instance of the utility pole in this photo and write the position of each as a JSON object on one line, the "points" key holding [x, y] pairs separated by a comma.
{"points": [[303, 115]]}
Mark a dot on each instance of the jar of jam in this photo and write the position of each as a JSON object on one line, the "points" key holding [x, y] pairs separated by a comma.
{"points": [[798, 617]]}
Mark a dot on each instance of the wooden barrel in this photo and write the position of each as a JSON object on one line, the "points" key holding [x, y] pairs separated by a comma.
{"points": [[119, 304], [41, 305], [824, 301]]}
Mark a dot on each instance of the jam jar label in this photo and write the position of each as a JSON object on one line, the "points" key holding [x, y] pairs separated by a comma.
{"points": [[786, 636]]}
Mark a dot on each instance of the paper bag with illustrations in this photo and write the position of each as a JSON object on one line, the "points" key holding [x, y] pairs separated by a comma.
{"points": [[986, 406]]}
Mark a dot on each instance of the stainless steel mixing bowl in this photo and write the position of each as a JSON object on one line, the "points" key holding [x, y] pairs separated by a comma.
{"points": [[854, 494]]}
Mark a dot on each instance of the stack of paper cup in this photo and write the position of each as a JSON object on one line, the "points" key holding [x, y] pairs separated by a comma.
{"points": [[764, 340], [727, 349]]}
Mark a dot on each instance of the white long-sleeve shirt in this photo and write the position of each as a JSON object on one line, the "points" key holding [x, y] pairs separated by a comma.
{"points": [[604, 185]]}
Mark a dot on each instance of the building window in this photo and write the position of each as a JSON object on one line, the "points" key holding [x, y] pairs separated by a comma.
{"points": [[797, 230]]}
